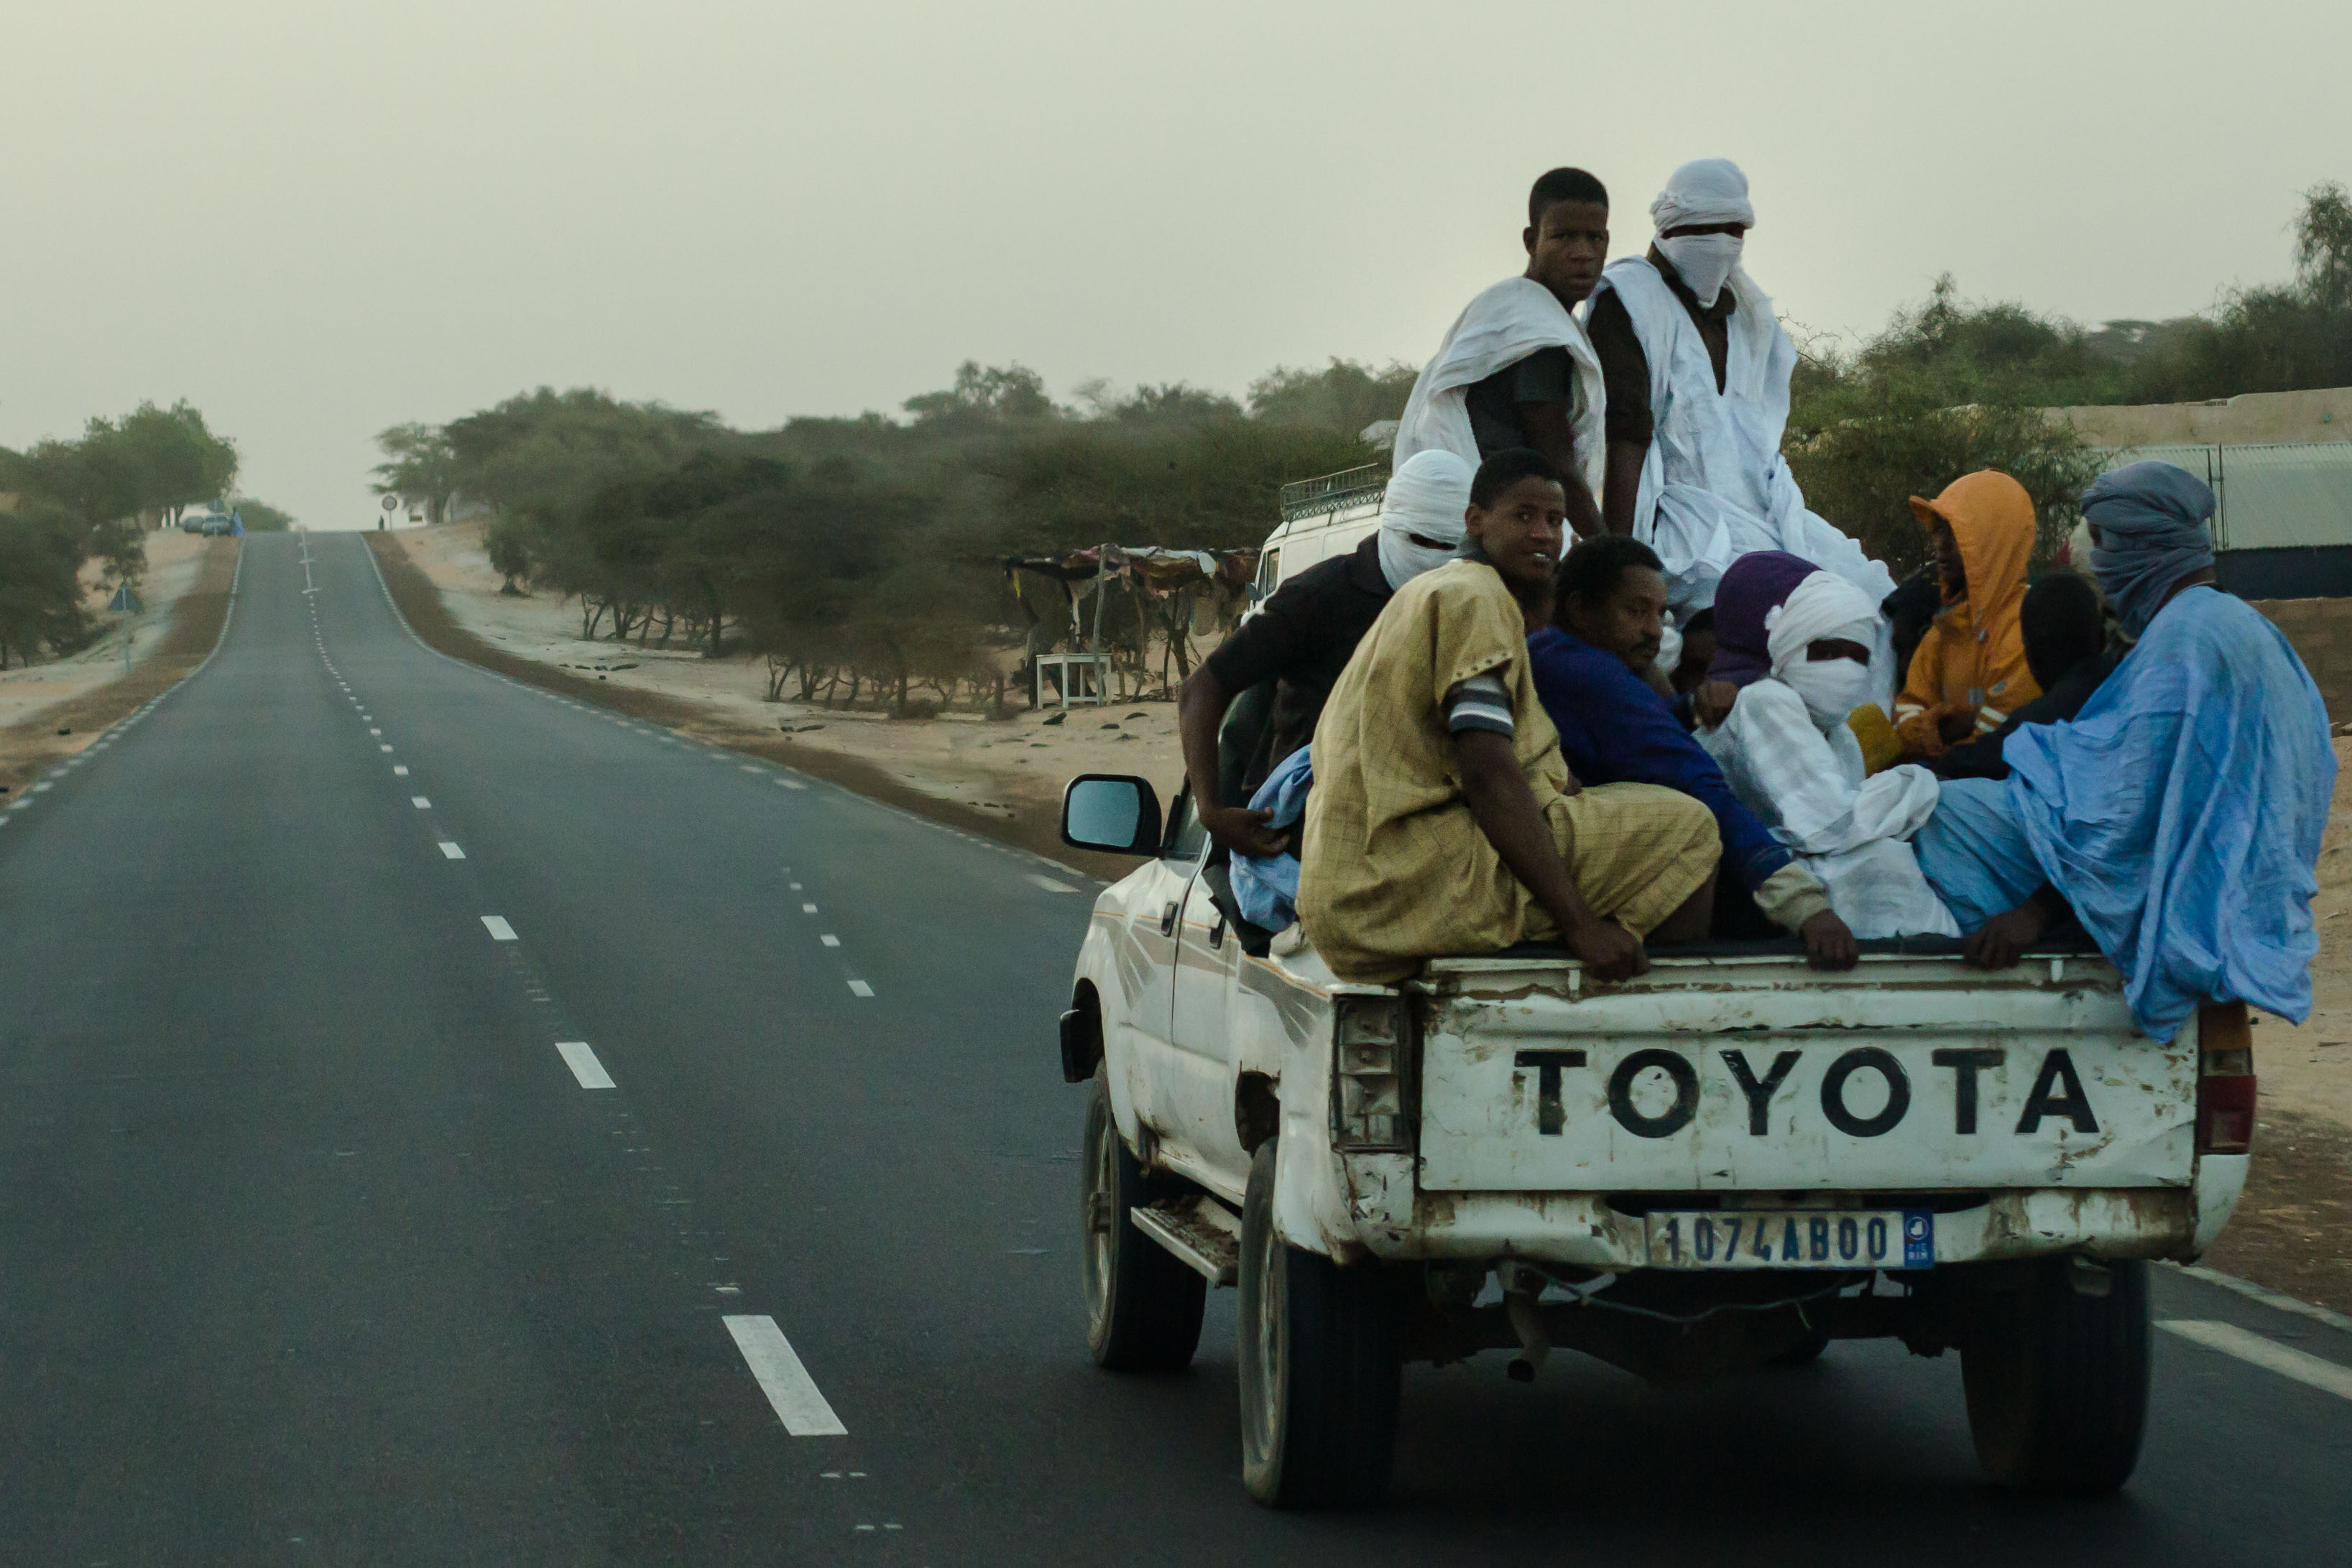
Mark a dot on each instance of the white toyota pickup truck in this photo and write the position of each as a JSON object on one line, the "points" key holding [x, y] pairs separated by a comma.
{"points": [[1730, 1160]]}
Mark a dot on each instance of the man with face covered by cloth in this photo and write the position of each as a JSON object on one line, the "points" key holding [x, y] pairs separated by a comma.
{"points": [[2179, 814], [1696, 369], [1792, 639]]}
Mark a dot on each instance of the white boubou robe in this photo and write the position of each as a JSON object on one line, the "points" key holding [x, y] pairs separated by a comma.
{"points": [[1500, 327], [1713, 484], [1848, 828]]}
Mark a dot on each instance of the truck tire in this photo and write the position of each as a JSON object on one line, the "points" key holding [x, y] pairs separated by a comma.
{"points": [[1143, 1307], [1320, 1366], [2057, 1380]]}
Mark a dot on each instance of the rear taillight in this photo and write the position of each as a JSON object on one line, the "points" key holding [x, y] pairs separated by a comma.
{"points": [[1371, 1064], [2225, 1079]]}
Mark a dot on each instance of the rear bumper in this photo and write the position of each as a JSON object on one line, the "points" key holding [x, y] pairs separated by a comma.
{"points": [[1582, 1230]]}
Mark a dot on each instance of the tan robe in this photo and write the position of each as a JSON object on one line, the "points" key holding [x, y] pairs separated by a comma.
{"points": [[1394, 870]]}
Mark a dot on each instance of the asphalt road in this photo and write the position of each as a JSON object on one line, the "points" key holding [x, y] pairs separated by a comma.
{"points": [[316, 1247]]}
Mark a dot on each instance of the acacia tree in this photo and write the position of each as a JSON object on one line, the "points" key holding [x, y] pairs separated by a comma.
{"points": [[2323, 246], [40, 583], [175, 461], [419, 465], [260, 517]]}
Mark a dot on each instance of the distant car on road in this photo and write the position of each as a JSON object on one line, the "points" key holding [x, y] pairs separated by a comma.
{"points": [[215, 527]]}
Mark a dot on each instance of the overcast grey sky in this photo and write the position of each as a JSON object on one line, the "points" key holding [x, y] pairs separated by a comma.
{"points": [[315, 219]]}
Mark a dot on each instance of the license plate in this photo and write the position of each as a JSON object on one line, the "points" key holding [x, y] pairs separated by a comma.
{"points": [[1792, 1239]]}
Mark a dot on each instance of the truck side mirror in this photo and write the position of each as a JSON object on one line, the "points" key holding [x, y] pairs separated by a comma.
{"points": [[1113, 812]]}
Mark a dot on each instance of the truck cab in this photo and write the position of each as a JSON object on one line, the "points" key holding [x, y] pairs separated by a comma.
{"points": [[1730, 1160]]}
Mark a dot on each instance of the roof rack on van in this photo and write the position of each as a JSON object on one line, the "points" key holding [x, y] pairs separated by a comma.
{"points": [[1334, 492]]}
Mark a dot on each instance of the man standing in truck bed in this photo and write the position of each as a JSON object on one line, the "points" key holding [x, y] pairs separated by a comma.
{"points": [[1515, 370], [1698, 372]]}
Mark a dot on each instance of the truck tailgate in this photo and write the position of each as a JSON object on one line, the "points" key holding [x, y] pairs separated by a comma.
{"points": [[1906, 1073]]}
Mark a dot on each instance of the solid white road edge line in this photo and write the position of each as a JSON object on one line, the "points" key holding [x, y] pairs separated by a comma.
{"points": [[2268, 1297], [498, 929], [2248, 1346], [792, 1393], [450, 851], [585, 1065]]}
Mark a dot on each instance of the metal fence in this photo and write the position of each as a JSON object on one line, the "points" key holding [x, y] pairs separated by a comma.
{"points": [[2282, 529], [2288, 495]]}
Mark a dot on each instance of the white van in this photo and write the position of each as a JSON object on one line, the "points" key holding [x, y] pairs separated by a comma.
{"points": [[1321, 517]]}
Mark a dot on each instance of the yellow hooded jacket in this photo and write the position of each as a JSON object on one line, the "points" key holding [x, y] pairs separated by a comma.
{"points": [[1972, 659]]}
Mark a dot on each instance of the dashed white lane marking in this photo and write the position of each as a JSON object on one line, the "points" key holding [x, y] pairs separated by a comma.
{"points": [[792, 784], [859, 988], [753, 768], [450, 851], [808, 909], [796, 886], [585, 1065], [39, 787], [420, 803], [383, 748], [830, 940], [498, 928], [2270, 1356], [1048, 883], [792, 1393], [371, 731], [400, 770]]}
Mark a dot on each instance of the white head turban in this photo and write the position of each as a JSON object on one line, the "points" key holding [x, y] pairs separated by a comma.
{"points": [[1707, 190], [1824, 605], [1428, 497]]}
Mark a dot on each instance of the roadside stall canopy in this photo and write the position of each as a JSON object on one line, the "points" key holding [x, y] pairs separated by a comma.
{"points": [[1155, 571]]}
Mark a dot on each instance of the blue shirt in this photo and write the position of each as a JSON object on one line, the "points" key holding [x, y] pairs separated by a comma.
{"points": [[1614, 729]]}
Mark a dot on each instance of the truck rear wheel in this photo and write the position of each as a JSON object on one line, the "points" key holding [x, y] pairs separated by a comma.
{"points": [[1320, 1366], [1143, 1307], [2057, 1379]]}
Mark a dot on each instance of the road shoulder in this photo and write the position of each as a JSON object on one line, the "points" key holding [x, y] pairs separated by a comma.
{"points": [[64, 728], [1029, 825]]}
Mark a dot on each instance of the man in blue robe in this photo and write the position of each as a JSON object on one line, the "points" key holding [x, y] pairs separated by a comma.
{"points": [[2179, 815]]}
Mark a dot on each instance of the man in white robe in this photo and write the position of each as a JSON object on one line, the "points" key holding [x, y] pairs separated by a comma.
{"points": [[1698, 368], [1516, 369], [1789, 756]]}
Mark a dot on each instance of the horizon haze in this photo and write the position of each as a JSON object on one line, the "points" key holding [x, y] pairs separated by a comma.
{"points": [[315, 223]]}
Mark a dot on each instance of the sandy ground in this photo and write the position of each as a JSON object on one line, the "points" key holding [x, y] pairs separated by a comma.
{"points": [[60, 708], [171, 561], [2308, 1070], [996, 767]]}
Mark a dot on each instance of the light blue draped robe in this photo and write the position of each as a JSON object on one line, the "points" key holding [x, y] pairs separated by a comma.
{"points": [[2180, 814]]}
